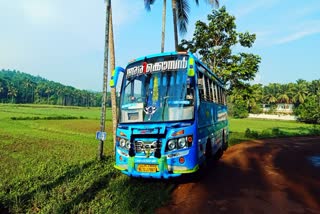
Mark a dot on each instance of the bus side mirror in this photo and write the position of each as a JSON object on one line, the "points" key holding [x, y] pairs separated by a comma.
{"points": [[114, 76], [191, 67]]}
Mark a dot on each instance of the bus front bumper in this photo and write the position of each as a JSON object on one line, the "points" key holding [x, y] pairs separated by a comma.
{"points": [[151, 170]]}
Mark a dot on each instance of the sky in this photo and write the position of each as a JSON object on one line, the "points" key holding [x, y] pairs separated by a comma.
{"points": [[63, 41]]}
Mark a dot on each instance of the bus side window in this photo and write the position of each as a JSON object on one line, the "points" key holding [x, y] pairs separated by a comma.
{"points": [[216, 93], [200, 86], [207, 89], [211, 90], [219, 94]]}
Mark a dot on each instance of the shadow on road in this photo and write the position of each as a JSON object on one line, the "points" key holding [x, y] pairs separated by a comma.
{"points": [[267, 176]]}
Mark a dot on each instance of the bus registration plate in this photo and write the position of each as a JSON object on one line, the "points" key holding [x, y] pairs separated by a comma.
{"points": [[147, 168]]}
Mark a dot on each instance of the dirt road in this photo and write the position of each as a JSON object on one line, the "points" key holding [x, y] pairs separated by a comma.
{"points": [[266, 176]]}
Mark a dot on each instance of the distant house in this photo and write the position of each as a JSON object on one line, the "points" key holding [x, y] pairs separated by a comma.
{"points": [[279, 108]]}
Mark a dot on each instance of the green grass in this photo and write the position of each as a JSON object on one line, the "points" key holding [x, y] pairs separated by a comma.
{"points": [[259, 128], [50, 166]]}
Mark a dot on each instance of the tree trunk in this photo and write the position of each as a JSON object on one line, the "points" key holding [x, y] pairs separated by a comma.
{"points": [[175, 27], [105, 78], [113, 90], [164, 11]]}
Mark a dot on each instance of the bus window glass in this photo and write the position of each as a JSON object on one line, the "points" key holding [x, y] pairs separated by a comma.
{"points": [[158, 95]]}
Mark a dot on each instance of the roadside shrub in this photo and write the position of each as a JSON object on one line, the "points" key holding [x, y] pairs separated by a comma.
{"points": [[276, 131], [309, 111], [251, 134], [266, 133], [315, 130], [256, 110]]}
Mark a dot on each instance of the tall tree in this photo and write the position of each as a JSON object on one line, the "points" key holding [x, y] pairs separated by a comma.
{"points": [[214, 41], [271, 92], [12, 92], [112, 67], [105, 78], [163, 29], [1, 89], [147, 4], [300, 91], [180, 11], [284, 94]]}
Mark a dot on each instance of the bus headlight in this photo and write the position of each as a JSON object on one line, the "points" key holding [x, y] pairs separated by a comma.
{"points": [[179, 143], [128, 145], [182, 142], [122, 142], [171, 145]]}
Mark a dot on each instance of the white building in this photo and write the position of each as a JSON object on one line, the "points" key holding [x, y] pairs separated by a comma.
{"points": [[280, 108]]}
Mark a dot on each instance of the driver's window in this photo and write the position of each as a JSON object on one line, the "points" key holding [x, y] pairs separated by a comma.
{"points": [[136, 91], [133, 91]]}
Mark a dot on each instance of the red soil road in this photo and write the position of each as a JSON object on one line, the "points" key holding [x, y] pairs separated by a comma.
{"points": [[264, 176]]}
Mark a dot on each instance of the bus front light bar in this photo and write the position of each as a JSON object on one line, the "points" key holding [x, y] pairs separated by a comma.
{"points": [[179, 143]]}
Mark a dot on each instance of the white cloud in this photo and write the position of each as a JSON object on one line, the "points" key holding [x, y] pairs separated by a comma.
{"points": [[297, 35]]}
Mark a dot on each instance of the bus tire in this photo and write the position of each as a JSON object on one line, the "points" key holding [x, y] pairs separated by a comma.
{"points": [[218, 154], [208, 150], [225, 143], [222, 148]]}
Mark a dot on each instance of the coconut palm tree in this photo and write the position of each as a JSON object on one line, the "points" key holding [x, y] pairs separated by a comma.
{"points": [[180, 11], [147, 4], [300, 91], [284, 94], [1, 89], [271, 93], [105, 78], [12, 91], [112, 67]]}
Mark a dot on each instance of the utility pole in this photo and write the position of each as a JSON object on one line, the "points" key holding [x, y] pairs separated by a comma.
{"points": [[101, 136]]}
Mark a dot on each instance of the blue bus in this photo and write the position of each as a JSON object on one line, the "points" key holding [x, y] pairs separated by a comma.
{"points": [[172, 115]]}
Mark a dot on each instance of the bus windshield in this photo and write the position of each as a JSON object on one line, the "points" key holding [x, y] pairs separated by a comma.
{"points": [[158, 90]]}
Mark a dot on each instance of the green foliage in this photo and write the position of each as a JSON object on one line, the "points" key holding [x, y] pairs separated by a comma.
{"points": [[309, 111], [256, 109], [251, 134], [18, 87], [214, 42], [276, 131], [239, 109]]}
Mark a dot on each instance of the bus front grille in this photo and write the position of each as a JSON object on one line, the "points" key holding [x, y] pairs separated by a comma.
{"points": [[143, 146]]}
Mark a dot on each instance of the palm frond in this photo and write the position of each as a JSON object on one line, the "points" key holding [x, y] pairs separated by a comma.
{"points": [[183, 10], [148, 3]]}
